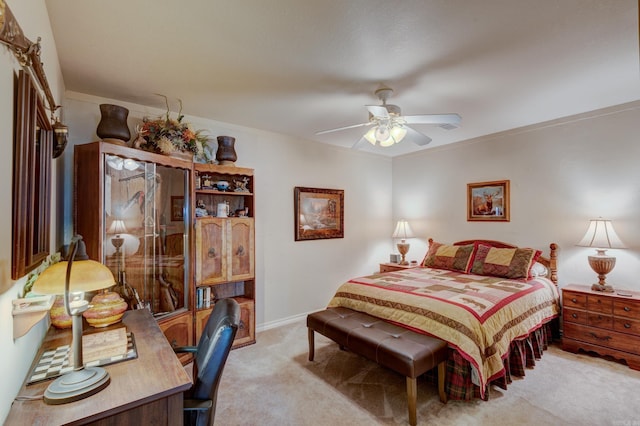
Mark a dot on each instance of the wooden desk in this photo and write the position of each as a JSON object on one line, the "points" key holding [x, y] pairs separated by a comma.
{"points": [[146, 390]]}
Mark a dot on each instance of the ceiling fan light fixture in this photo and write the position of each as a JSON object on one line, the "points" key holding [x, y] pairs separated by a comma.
{"points": [[387, 142], [382, 132], [370, 136], [398, 133]]}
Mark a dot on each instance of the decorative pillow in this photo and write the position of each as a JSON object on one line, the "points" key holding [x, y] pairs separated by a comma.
{"points": [[514, 263], [539, 270], [453, 258]]}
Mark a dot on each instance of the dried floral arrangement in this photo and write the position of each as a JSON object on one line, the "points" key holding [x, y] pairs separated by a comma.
{"points": [[166, 135]]}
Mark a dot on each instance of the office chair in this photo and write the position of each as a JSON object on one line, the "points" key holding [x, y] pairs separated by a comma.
{"points": [[209, 358]]}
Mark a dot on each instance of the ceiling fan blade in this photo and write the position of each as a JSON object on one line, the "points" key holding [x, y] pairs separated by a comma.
{"points": [[358, 144], [449, 119], [378, 111], [417, 137], [344, 128]]}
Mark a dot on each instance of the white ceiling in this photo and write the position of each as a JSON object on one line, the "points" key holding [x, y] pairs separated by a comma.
{"points": [[297, 67]]}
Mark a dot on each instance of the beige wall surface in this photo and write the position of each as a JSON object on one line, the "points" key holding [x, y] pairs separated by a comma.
{"points": [[18, 354], [562, 174]]}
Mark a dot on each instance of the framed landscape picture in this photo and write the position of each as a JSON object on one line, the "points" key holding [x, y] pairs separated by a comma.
{"points": [[319, 213], [488, 201]]}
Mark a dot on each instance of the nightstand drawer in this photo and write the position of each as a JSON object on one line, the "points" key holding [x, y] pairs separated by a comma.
{"points": [[625, 325], [574, 300], [574, 315], [601, 337], [626, 308], [600, 304], [599, 320]]}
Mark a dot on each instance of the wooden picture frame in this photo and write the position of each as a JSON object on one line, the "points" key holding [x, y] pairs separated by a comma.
{"points": [[488, 201], [319, 213], [177, 208], [32, 152]]}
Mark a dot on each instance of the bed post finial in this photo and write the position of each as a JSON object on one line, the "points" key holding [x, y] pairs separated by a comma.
{"points": [[553, 263]]}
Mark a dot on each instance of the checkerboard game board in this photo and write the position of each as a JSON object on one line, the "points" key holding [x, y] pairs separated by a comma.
{"points": [[55, 362]]}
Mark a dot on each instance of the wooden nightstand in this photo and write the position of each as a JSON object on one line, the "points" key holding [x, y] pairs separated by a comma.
{"points": [[391, 267], [605, 323]]}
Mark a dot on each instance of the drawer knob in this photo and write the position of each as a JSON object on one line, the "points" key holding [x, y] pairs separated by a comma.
{"points": [[574, 315], [627, 325], [574, 300], [627, 309], [211, 252]]}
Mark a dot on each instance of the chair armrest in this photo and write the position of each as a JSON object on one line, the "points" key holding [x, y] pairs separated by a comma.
{"points": [[182, 349], [197, 404]]}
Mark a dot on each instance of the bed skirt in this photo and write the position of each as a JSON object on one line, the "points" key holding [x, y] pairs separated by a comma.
{"points": [[523, 354]]}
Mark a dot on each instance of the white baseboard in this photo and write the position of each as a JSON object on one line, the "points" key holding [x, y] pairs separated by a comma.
{"points": [[278, 323]]}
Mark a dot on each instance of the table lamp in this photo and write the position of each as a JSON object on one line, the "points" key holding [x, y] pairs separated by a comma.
{"points": [[117, 227], [403, 231], [72, 279], [602, 236]]}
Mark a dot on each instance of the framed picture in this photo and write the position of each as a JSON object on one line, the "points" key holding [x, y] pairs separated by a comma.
{"points": [[177, 208], [319, 213], [488, 201]]}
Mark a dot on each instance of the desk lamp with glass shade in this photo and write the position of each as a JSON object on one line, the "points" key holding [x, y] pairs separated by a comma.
{"points": [[602, 236], [402, 232], [71, 279]]}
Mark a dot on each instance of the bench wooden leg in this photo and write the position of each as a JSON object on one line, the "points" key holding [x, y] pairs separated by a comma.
{"points": [[412, 396], [311, 344], [412, 392], [442, 369]]}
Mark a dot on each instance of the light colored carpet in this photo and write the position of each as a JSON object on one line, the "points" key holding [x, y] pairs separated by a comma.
{"points": [[273, 383]]}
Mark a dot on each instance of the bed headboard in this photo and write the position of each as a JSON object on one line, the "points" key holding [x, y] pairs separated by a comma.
{"points": [[551, 261]]}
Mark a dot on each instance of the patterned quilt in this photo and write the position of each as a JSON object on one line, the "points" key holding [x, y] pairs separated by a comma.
{"points": [[477, 315]]}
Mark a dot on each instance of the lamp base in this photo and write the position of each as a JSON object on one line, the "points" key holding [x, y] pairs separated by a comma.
{"points": [[602, 265], [76, 385], [605, 288], [403, 248]]}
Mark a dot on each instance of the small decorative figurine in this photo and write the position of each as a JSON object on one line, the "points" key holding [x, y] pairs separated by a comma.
{"points": [[241, 185], [201, 209]]}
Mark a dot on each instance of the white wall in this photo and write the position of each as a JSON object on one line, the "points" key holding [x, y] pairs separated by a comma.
{"points": [[18, 354], [562, 174], [292, 278]]}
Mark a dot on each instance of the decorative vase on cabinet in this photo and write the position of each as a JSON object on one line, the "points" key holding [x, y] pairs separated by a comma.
{"points": [[113, 125], [226, 153]]}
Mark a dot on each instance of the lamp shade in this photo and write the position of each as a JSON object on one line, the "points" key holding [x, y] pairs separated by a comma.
{"points": [[601, 234], [86, 275], [403, 230], [117, 227]]}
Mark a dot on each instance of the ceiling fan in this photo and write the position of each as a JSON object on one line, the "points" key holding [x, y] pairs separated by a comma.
{"points": [[390, 127]]}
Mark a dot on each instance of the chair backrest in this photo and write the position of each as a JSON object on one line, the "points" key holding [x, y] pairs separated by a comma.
{"points": [[213, 349]]}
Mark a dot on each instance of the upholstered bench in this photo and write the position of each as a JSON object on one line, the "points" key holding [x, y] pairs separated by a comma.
{"points": [[403, 351]]}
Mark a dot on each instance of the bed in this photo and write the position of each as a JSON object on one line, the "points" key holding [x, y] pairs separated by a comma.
{"points": [[495, 304]]}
